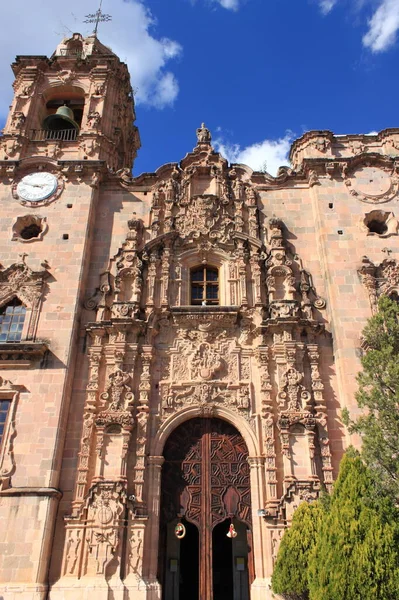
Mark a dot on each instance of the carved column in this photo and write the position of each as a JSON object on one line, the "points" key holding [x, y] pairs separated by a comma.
{"points": [[165, 267], [152, 274], [92, 393], [321, 414], [238, 215], [262, 558], [233, 283], [256, 279], [253, 222], [242, 273], [142, 423], [136, 531], [150, 563], [268, 424], [367, 273]]}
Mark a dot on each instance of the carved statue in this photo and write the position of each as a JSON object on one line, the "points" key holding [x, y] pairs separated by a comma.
{"points": [[203, 135]]}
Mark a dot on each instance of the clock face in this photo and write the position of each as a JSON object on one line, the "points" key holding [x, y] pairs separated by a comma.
{"points": [[37, 186]]}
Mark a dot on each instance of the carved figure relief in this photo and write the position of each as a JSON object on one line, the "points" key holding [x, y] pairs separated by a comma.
{"points": [[205, 363]]}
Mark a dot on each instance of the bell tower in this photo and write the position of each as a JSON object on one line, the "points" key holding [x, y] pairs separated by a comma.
{"points": [[76, 105], [68, 141]]}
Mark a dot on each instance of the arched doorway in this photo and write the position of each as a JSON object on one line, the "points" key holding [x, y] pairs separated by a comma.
{"points": [[206, 488]]}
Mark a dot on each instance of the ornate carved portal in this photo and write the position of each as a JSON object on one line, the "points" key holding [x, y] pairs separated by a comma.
{"points": [[206, 486]]}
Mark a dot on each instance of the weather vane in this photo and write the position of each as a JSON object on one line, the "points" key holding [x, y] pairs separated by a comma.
{"points": [[97, 17]]}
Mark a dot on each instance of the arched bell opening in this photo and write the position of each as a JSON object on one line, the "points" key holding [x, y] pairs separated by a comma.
{"points": [[62, 113], [205, 485]]}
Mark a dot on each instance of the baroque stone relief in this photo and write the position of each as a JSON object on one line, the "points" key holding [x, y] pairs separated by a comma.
{"points": [[94, 540], [382, 279], [20, 281], [152, 355]]}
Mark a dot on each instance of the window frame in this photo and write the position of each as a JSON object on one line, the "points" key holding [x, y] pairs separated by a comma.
{"points": [[14, 321], [205, 283], [8, 392]]}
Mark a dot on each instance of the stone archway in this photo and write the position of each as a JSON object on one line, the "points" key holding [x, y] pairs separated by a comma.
{"points": [[205, 486]]}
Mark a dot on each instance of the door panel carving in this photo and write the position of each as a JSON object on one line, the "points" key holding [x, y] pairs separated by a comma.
{"points": [[206, 480]]}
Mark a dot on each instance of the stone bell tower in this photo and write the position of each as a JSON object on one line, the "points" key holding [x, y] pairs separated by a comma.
{"points": [[70, 130], [76, 105]]}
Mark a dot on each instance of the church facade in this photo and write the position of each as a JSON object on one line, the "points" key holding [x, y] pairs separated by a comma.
{"points": [[176, 347]]}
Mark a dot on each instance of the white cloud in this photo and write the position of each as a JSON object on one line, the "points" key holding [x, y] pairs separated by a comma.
{"points": [[271, 154], [166, 90], [130, 34], [383, 26], [230, 4], [327, 5]]}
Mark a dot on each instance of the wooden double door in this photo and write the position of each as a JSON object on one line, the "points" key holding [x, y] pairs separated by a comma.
{"points": [[206, 488]]}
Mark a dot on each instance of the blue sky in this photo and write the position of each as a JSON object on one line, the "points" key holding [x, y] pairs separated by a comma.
{"points": [[258, 72]]}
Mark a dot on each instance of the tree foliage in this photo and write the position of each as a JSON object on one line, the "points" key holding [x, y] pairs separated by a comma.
{"points": [[346, 548], [378, 395], [290, 576], [356, 552]]}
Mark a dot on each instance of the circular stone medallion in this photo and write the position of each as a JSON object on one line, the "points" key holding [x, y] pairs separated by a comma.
{"points": [[371, 184]]}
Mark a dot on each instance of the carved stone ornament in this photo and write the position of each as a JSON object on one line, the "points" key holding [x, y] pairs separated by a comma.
{"points": [[372, 183], [29, 228], [205, 362], [204, 215], [94, 119], [382, 279], [18, 120], [12, 146], [100, 522], [19, 280], [380, 223]]}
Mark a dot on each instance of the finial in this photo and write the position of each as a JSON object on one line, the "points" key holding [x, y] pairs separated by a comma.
{"points": [[97, 17], [203, 135]]}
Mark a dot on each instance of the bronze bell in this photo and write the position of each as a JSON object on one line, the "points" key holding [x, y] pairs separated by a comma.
{"points": [[62, 119]]}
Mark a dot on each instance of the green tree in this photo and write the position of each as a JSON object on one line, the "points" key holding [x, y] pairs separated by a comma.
{"points": [[378, 395], [290, 576], [356, 552]]}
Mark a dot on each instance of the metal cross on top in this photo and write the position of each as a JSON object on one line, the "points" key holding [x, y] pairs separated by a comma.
{"points": [[97, 17]]}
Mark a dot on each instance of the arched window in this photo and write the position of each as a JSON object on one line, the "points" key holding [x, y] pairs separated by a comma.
{"points": [[12, 317], [204, 285]]}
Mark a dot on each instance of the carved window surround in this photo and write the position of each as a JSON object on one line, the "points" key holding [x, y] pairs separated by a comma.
{"points": [[379, 280], [9, 392], [20, 281]]}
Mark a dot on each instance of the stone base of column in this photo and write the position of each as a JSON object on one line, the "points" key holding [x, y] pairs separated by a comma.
{"points": [[133, 588], [23, 591], [261, 589]]}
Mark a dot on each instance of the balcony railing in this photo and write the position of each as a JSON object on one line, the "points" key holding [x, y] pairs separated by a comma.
{"points": [[61, 135], [70, 53]]}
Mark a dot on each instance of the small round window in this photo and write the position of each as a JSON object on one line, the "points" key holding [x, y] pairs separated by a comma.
{"points": [[29, 228]]}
